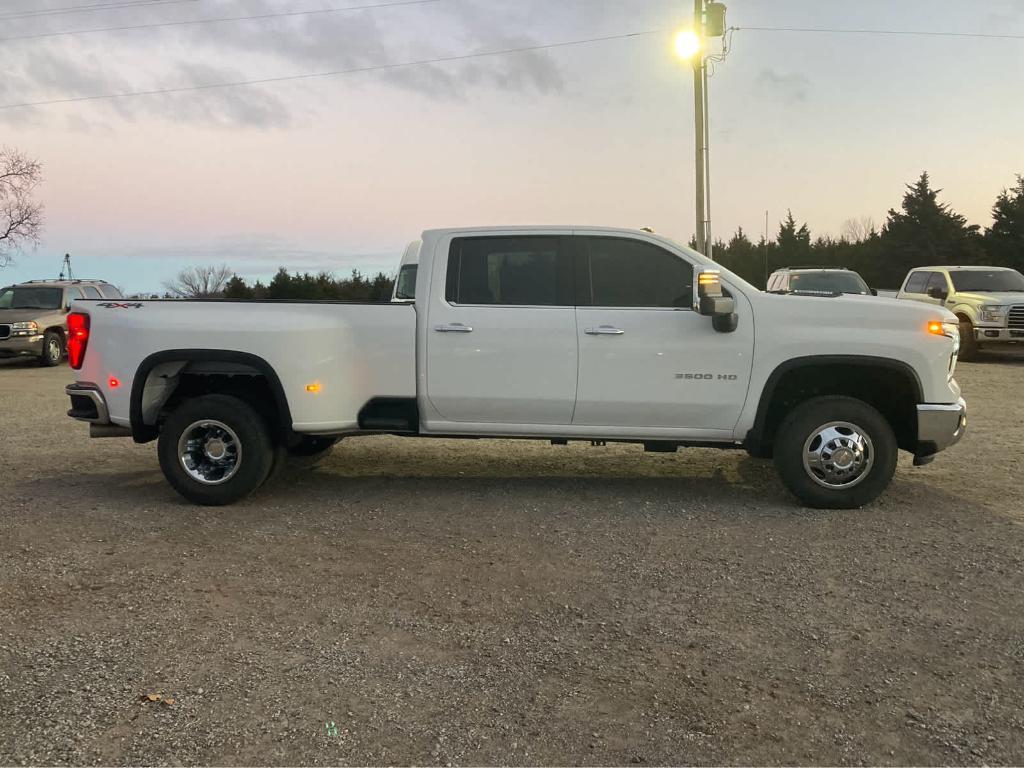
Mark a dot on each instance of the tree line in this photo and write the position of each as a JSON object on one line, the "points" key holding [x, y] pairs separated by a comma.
{"points": [[924, 231], [221, 282]]}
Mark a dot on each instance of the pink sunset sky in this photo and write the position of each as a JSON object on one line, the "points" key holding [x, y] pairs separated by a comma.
{"points": [[339, 172]]}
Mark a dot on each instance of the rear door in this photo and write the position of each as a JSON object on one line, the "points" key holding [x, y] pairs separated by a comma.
{"points": [[501, 334], [647, 360]]}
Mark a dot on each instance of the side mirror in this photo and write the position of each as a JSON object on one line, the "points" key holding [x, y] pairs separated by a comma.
{"points": [[874, 291], [711, 302], [938, 293]]}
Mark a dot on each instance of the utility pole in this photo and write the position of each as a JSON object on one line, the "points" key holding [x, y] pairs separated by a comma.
{"points": [[700, 164], [66, 265]]}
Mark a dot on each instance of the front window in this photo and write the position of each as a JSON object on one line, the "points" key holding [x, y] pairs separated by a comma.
{"points": [[6, 296], [828, 282], [33, 297], [632, 273], [985, 281]]}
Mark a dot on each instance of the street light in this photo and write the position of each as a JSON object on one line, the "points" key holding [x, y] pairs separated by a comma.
{"points": [[708, 22], [688, 44]]}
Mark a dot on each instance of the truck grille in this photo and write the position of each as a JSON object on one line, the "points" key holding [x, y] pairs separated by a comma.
{"points": [[1016, 318], [5, 331]]}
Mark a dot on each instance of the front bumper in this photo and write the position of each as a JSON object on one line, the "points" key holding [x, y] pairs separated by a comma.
{"points": [[21, 345], [998, 334], [939, 427]]}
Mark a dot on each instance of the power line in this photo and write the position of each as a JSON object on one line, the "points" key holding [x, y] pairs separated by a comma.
{"points": [[278, 15], [906, 32], [108, 6], [331, 73]]}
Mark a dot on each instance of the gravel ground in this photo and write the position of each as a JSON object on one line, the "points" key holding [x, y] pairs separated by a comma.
{"points": [[434, 602]]}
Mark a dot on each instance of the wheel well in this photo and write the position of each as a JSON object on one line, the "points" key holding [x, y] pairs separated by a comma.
{"points": [[248, 386], [167, 379], [892, 389]]}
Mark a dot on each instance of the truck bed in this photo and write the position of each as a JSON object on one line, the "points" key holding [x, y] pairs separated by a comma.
{"points": [[331, 357]]}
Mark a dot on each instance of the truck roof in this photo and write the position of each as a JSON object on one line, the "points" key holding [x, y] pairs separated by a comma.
{"points": [[972, 268]]}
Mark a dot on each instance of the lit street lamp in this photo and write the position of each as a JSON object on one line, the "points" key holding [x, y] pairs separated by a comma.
{"points": [[708, 22]]}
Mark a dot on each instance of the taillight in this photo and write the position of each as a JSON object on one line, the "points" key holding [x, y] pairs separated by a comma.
{"points": [[78, 338]]}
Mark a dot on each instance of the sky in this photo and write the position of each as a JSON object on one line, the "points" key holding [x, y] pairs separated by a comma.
{"points": [[339, 172]]}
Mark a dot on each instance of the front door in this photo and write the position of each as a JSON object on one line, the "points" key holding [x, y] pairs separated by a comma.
{"points": [[647, 360], [501, 343]]}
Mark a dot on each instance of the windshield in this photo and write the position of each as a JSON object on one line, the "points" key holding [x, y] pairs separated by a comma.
{"points": [[25, 297], [982, 281], [406, 288], [828, 282]]}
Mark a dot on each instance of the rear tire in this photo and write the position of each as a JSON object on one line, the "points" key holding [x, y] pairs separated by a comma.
{"points": [[215, 450], [53, 349], [835, 453], [969, 347]]}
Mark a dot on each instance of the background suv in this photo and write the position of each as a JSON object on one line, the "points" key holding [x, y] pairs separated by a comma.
{"points": [[817, 280], [988, 301], [33, 315]]}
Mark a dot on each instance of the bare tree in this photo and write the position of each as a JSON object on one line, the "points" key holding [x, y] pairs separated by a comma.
{"points": [[858, 230], [199, 282], [21, 217]]}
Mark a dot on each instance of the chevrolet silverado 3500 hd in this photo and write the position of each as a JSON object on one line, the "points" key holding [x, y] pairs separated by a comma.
{"points": [[552, 333]]}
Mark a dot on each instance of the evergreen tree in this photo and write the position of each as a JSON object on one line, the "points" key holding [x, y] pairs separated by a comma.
{"points": [[794, 242], [1004, 240], [925, 232], [235, 288]]}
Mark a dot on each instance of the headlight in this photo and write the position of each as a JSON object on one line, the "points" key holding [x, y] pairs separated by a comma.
{"points": [[29, 326], [994, 313]]}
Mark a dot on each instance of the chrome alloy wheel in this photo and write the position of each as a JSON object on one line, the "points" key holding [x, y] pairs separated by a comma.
{"points": [[210, 452], [838, 455], [53, 349]]}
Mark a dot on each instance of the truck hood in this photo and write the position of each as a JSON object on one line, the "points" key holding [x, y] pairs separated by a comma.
{"points": [[869, 311], [21, 315], [996, 297]]}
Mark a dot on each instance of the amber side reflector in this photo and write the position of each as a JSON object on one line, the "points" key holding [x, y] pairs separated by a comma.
{"points": [[314, 387], [934, 326]]}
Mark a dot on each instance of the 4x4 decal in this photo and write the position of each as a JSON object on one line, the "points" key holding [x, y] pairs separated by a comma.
{"points": [[117, 305]]}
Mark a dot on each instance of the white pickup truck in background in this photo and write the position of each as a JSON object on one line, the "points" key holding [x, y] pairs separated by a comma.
{"points": [[553, 333]]}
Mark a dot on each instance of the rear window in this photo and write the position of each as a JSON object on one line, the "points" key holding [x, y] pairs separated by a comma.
{"points": [[406, 286], [110, 292], [522, 271]]}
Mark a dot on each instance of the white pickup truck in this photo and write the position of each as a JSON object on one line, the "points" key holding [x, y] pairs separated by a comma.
{"points": [[551, 333]]}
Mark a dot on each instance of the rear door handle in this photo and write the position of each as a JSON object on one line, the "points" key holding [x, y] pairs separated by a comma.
{"points": [[604, 330], [453, 328]]}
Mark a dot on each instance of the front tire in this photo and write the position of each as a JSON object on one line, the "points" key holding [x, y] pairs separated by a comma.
{"points": [[968, 342], [53, 349], [835, 453], [215, 450]]}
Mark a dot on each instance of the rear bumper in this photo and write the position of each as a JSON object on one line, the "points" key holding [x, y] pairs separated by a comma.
{"points": [[87, 403], [21, 345], [939, 427]]}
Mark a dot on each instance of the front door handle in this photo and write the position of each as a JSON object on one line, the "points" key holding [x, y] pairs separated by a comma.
{"points": [[453, 328], [604, 330]]}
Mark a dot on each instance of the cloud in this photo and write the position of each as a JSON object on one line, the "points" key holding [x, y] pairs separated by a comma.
{"points": [[207, 54], [790, 88]]}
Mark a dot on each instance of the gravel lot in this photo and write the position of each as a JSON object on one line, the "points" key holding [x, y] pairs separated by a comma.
{"points": [[507, 602]]}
